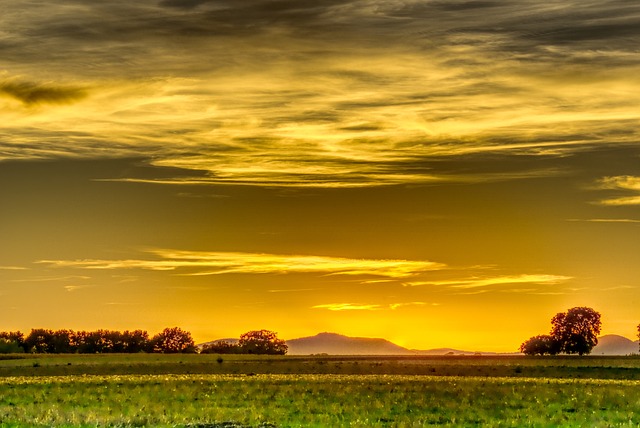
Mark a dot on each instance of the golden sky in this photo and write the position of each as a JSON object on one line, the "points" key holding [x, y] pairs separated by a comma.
{"points": [[437, 173]]}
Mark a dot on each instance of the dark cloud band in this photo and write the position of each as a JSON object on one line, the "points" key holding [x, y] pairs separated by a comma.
{"points": [[30, 93]]}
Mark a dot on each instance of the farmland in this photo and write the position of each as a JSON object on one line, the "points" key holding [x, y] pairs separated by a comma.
{"points": [[320, 391]]}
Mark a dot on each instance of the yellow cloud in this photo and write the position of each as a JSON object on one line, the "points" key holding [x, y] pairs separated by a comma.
{"points": [[348, 307], [216, 263], [627, 182], [629, 200], [621, 182], [605, 220], [498, 280], [368, 307]]}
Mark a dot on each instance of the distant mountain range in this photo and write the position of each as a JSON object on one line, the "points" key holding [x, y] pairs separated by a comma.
{"points": [[338, 344]]}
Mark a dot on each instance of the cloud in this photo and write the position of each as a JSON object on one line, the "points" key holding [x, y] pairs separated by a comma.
{"points": [[71, 288], [217, 263], [469, 283], [367, 307], [31, 94], [394, 306], [348, 307], [616, 202], [260, 93], [605, 220], [52, 278], [625, 183]]}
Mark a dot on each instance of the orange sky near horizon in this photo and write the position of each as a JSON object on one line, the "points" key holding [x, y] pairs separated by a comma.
{"points": [[437, 173]]}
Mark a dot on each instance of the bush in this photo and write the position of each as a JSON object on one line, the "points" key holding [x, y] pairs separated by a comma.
{"points": [[10, 347]]}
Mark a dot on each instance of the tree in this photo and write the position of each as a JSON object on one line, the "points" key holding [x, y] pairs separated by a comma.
{"points": [[62, 342], [173, 340], [576, 330], [13, 342], [39, 341], [540, 345], [262, 342], [135, 341], [94, 342]]}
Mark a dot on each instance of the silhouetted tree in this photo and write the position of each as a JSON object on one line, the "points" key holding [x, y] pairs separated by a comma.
{"points": [[95, 342], [262, 342], [11, 337], [540, 345], [221, 347], [135, 341], [62, 342], [173, 340], [39, 341], [576, 330], [573, 332]]}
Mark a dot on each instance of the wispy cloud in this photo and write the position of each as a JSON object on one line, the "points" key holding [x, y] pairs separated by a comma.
{"points": [[604, 220], [348, 307], [52, 278], [368, 307], [72, 288], [626, 183], [469, 283], [394, 306], [619, 287], [217, 263], [616, 202]]}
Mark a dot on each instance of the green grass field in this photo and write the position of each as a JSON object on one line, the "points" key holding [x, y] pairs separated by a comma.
{"points": [[199, 391]]}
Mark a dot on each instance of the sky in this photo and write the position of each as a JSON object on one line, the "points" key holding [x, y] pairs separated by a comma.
{"points": [[434, 172]]}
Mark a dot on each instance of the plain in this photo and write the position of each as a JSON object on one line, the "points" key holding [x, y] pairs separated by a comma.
{"points": [[317, 391]]}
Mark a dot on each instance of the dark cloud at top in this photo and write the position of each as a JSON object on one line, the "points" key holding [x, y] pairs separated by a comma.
{"points": [[96, 37], [206, 84]]}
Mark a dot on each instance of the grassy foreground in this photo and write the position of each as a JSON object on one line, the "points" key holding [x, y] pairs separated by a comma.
{"points": [[317, 400]]}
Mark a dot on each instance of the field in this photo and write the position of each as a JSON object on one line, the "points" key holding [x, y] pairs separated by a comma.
{"points": [[209, 391]]}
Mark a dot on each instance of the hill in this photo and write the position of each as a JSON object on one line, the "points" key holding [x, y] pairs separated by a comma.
{"points": [[337, 344], [612, 344]]}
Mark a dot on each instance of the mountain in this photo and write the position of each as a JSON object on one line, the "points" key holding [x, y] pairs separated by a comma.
{"points": [[612, 344], [337, 344]]}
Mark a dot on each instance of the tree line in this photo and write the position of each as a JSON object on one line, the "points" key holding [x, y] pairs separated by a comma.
{"points": [[169, 341]]}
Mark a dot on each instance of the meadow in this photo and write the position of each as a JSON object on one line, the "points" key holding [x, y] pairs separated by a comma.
{"points": [[210, 391]]}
